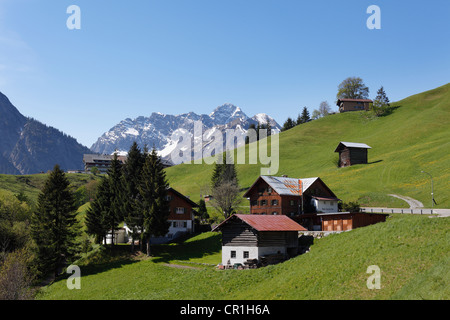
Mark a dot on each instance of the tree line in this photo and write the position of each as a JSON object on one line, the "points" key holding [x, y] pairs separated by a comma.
{"points": [[350, 88], [134, 193]]}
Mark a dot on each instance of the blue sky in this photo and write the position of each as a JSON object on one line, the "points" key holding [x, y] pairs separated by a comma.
{"points": [[132, 58]]}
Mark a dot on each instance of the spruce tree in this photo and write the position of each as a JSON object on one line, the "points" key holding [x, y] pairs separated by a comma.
{"points": [[54, 226], [305, 115], [115, 215], [132, 171], [153, 190], [224, 172], [202, 211], [288, 124], [95, 216]]}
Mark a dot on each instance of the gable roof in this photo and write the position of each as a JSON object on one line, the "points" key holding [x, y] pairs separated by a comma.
{"points": [[265, 222], [192, 203], [352, 145], [352, 100], [285, 186]]}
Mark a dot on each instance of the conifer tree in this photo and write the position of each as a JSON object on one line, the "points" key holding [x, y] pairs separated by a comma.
{"points": [[224, 172], [288, 124], [202, 211], [305, 115], [115, 215], [153, 190], [95, 216], [54, 226], [132, 171]]}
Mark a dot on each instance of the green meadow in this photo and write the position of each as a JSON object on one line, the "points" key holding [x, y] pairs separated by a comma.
{"points": [[408, 249], [414, 137]]}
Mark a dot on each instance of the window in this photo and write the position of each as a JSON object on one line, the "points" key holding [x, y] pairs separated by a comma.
{"points": [[269, 190], [168, 198], [179, 224], [274, 202], [254, 202], [179, 210], [233, 254], [246, 255], [274, 213], [292, 202], [263, 202]]}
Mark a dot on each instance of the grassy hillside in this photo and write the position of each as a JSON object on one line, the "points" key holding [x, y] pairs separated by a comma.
{"points": [[414, 137], [408, 249], [31, 185]]}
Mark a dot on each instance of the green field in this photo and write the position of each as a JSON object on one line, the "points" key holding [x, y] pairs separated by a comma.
{"points": [[415, 137], [408, 249]]}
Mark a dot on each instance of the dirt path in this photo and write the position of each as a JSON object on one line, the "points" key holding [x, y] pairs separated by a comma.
{"points": [[179, 266], [413, 203]]}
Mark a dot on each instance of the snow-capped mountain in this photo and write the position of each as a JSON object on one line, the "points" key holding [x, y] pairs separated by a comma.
{"points": [[161, 130]]}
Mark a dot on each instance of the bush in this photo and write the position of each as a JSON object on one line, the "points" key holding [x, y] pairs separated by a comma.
{"points": [[349, 206]]}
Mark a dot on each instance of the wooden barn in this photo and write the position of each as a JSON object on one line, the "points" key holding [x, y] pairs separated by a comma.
{"points": [[247, 238], [344, 221], [351, 153], [346, 105]]}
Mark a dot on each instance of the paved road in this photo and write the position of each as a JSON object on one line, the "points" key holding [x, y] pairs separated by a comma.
{"points": [[413, 203], [439, 212]]}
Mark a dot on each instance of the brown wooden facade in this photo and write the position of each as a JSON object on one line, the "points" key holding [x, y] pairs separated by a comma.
{"points": [[345, 221], [346, 105], [265, 200], [351, 154], [181, 207]]}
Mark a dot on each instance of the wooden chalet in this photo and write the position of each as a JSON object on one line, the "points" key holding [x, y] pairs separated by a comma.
{"points": [[290, 196], [346, 105], [181, 217], [351, 153], [310, 202], [248, 239]]}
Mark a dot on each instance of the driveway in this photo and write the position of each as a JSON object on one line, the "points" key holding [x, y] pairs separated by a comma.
{"points": [[413, 203]]}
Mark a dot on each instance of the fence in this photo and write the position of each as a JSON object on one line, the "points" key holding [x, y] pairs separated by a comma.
{"points": [[398, 210]]}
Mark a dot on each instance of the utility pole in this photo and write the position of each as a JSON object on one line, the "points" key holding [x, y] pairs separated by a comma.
{"points": [[432, 190]]}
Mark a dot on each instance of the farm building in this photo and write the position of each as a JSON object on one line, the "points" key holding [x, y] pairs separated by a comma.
{"points": [[346, 105], [247, 237], [351, 153], [343, 221], [290, 196]]}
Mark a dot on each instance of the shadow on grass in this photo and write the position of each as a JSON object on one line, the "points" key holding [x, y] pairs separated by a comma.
{"points": [[187, 250], [106, 259]]}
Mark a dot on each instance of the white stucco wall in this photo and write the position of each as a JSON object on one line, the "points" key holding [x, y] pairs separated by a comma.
{"points": [[254, 253], [325, 206]]}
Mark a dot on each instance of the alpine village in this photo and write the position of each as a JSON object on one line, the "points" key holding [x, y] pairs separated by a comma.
{"points": [[173, 231]]}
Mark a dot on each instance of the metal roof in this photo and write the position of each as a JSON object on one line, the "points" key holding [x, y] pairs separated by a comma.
{"points": [[288, 186], [266, 222], [353, 145], [355, 100]]}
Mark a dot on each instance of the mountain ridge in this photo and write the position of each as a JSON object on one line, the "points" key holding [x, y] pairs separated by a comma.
{"points": [[28, 146], [158, 129]]}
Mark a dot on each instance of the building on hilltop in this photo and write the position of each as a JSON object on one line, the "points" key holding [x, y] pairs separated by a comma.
{"points": [[346, 105], [351, 153]]}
